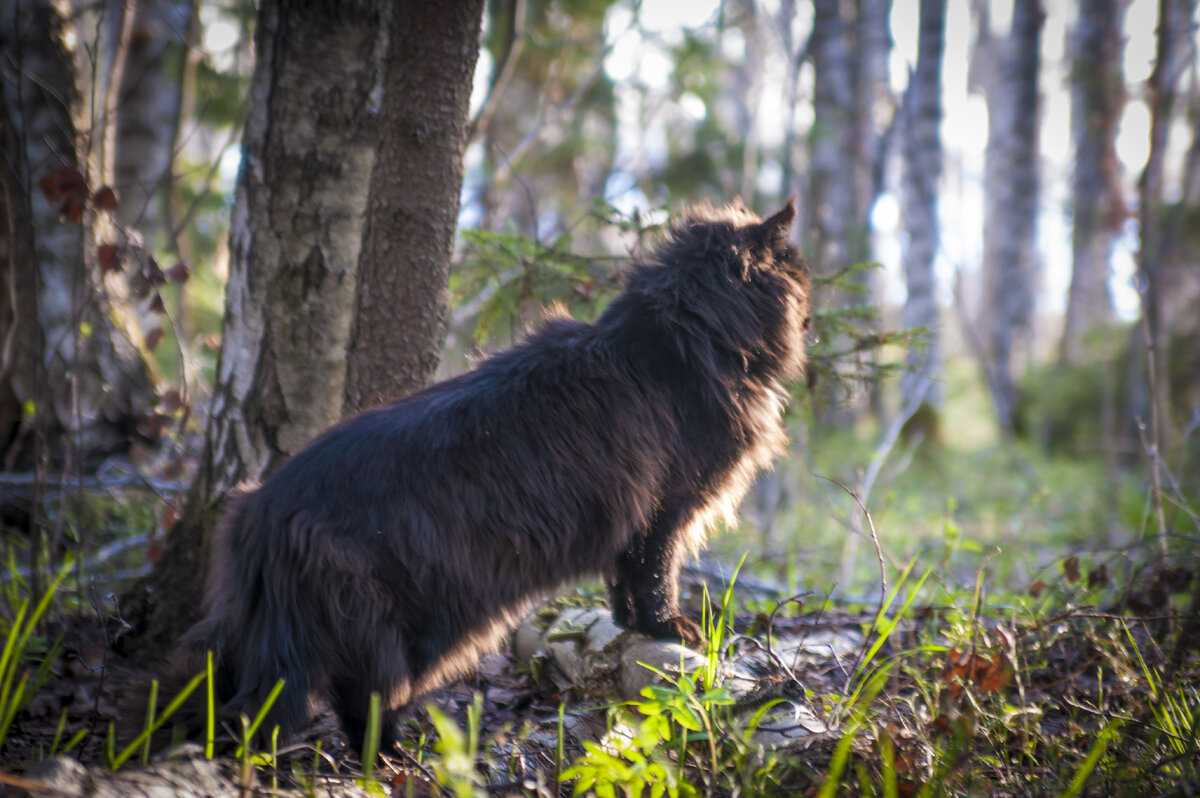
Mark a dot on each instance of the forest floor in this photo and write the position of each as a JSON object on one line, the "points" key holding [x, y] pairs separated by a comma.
{"points": [[1031, 639], [1094, 693]]}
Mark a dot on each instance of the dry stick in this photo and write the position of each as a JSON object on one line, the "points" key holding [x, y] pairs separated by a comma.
{"points": [[1155, 469], [881, 452], [886, 444], [854, 530]]}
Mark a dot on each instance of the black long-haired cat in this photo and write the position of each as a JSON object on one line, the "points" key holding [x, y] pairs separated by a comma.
{"points": [[403, 542]]}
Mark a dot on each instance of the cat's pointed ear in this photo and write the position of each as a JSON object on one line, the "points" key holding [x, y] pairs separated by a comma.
{"points": [[775, 229]]}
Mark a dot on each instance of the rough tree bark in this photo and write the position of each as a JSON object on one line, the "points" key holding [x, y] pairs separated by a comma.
{"points": [[70, 375], [399, 320], [296, 232], [1097, 98], [1011, 204], [922, 149], [344, 208]]}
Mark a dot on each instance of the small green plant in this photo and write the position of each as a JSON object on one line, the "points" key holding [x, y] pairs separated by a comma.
{"points": [[18, 650], [454, 768], [857, 723], [74, 740], [681, 738], [371, 748], [114, 759], [1175, 710], [248, 760], [633, 758]]}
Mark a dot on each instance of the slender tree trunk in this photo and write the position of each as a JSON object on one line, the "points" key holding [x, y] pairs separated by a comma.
{"points": [[748, 94], [873, 102], [89, 388], [149, 107], [1156, 244], [831, 180], [1010, 224], [413, 207], [1097, 98], [795, 53], [922, 171]]}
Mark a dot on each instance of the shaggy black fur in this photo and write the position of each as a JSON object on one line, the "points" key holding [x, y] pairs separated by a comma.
{"points": [[405, 541]]}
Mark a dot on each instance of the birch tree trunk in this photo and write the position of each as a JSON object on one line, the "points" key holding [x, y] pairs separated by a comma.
{"points": [[1097, 98], [922, 149], [296, 234], [340, 245], [149, 107], [1011, 204]]}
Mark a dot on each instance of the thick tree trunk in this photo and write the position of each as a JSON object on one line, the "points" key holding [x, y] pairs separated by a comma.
{"points": [[69, 371], [1010, 222], [1097, 98], [922, 170], [400, 306], [340, 241], [296, 233]]}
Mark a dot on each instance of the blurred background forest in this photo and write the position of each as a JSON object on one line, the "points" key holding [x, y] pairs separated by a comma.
{"points": [[225, 225], [999, 201]]}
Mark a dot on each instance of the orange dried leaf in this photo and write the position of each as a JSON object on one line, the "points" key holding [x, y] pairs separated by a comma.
{"points": [[72, 209], [172, 401], [995, 674], [139, 285], [105, 198], [154, 552], [1036, 588], [1071, 568], [66, 182], [179, 273], [109, 257]]}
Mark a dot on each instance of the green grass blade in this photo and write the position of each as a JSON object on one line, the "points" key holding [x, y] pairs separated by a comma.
{"points": [[371, 741], [1106, 736], [210, 709], [129, 750], [151, 708], [260, 716]]}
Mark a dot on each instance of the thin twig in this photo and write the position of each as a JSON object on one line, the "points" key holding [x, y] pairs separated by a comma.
{"points": [[504, 72], [874, 536]]}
